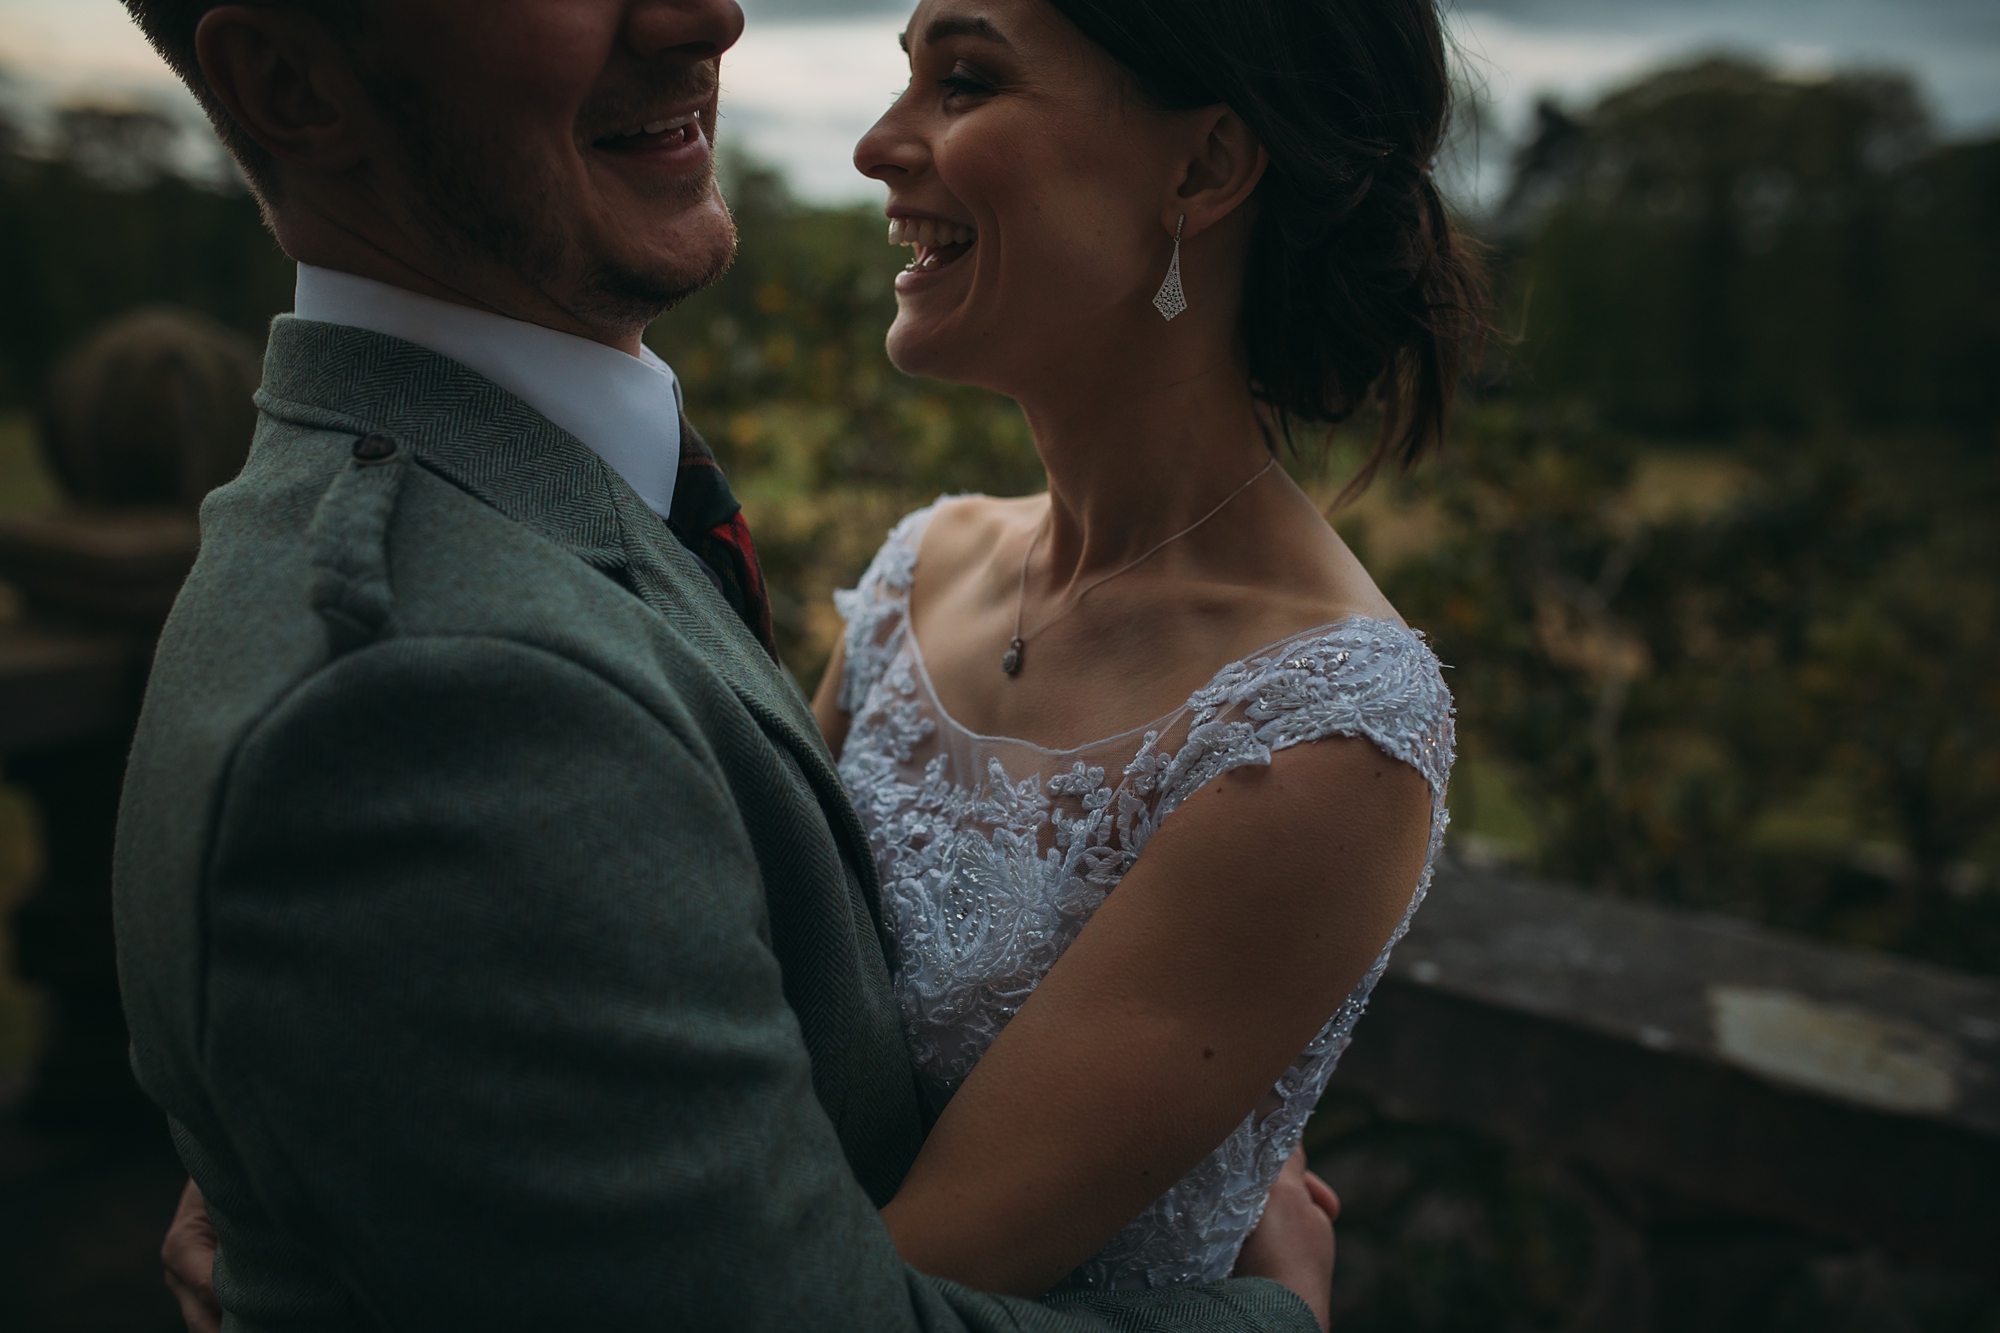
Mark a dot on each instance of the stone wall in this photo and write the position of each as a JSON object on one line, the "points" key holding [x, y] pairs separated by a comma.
{"points": [[1563, 1111]]}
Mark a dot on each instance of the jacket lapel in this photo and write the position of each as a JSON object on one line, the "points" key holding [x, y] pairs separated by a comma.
{"points": [[477, 436], [670, 580]]}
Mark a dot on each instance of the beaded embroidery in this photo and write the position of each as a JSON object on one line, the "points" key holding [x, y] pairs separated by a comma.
{"points": [[995, 852]]}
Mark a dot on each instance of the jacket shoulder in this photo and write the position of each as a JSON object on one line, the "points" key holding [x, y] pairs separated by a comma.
{"points": [[324, 545], [344, 538]]}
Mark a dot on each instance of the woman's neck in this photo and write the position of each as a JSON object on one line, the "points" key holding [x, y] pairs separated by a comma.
{"points": [[1133, 459]]}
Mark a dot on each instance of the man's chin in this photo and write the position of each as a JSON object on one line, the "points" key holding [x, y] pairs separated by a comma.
{"points": [[700, 246], [695, 252]]}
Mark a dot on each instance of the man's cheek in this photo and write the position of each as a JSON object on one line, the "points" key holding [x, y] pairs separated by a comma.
{"points": [[527, 63]]}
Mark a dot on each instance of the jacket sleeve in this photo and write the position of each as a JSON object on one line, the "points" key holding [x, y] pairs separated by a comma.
{"points": [[494, 1023]]}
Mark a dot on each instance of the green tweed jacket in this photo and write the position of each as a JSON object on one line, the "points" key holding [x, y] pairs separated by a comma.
{"points": [[492, 924]]}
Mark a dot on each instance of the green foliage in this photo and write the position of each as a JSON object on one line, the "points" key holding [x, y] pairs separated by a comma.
{"points": [[1753, 673], [1758, 681]]}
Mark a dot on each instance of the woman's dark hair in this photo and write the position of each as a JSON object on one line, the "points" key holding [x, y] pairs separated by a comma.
{"points": [[1358, 289]]}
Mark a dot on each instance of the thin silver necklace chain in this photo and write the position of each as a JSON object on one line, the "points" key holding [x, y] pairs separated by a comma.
{"points": [[1010, 661]]}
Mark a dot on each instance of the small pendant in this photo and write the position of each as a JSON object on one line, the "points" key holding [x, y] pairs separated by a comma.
{"points": [[1010, 662]]}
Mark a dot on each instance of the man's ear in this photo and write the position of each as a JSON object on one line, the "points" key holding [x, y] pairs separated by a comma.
{"points": [[285, 81], [1225, 165]]}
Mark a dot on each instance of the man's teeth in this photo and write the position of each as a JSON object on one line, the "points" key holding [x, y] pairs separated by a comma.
{"points": [[926, 233], [660, 126]]}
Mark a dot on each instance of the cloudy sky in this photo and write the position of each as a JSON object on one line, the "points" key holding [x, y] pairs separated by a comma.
{"points": [[811, 75]]}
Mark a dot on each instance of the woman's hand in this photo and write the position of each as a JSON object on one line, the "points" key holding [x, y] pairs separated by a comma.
{"points": [[1293, 1245], [188, 1255]]}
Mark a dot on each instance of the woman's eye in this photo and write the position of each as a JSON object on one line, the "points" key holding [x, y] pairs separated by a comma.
{"points": [[960, 83]]}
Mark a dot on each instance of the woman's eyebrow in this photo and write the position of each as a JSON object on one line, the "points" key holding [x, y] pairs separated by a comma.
{"points": [[976, 26]]}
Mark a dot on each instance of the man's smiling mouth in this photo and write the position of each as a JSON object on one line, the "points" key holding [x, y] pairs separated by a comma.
{"points": [[678, 132], [936, 243]]}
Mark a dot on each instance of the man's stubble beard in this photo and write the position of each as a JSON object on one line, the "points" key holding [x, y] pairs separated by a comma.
{"points": [[479, 202]]}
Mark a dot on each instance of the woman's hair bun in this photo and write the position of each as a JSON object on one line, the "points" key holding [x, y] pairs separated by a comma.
{"points": [[1360, 289]]}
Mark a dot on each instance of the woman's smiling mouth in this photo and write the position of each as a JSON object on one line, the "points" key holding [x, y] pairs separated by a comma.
{"points": [[937, 243]]}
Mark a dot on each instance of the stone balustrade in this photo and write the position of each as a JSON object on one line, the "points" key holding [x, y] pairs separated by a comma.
{"points": [[1849, 1093]]}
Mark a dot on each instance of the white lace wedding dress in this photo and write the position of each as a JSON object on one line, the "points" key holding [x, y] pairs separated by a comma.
{"points": [[994, 852]]}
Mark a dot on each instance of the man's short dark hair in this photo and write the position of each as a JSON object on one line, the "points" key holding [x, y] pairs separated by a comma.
{"points": [[170, 24]]}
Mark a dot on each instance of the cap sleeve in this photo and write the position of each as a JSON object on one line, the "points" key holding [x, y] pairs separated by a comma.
{"points": [[1363, 677], [877, 608]]}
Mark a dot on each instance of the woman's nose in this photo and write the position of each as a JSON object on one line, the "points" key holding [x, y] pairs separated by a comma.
{"points": [[890, 152]]}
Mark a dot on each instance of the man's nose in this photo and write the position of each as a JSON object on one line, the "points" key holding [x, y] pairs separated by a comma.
{"points": [[696, 29]]}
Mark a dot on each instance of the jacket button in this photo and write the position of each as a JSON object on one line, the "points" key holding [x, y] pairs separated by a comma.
{"points": [[375, 448]]}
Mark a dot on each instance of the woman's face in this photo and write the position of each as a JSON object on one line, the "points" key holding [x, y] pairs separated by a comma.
{"points": [[1034, 185]]}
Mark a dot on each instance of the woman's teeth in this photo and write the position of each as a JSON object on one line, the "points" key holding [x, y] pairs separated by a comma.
{"points": [[930, 237], [927, 233]]}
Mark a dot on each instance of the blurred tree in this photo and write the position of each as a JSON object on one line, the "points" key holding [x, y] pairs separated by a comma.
{"points": [[1716, 248], [1771, 693], [98, 228], [1942, 268]]}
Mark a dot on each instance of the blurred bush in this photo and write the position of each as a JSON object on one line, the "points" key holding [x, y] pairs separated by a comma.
{"points": [[1757, 679], [153, 408]]}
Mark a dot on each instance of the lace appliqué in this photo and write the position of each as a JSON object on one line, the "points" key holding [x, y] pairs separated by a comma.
{"points": [[994, 853]]}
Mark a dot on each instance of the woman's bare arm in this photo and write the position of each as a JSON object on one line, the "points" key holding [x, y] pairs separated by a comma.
{"points": [[1254, 911], [833, 723]]}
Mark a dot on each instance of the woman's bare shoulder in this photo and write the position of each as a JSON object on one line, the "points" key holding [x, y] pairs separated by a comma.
{"points": [[1305, 576], [964, 531]]}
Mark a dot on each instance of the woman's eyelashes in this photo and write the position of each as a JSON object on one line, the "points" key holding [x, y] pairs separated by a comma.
{"points": [[963, 82]]}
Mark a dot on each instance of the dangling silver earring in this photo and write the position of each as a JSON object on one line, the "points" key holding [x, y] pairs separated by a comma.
{"points": [[1171, 300]]}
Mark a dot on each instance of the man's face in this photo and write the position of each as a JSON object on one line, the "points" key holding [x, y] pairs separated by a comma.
{"points": [[511, 127]]}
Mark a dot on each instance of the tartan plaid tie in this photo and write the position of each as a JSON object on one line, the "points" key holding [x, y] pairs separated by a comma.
{"points": [[708, 519]]}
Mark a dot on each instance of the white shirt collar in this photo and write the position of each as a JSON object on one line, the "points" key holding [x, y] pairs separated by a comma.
{"points": [[626, 408]]}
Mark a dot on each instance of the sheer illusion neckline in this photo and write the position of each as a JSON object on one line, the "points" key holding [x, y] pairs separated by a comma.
{"points": [[994, 853], [1159, 724]]}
